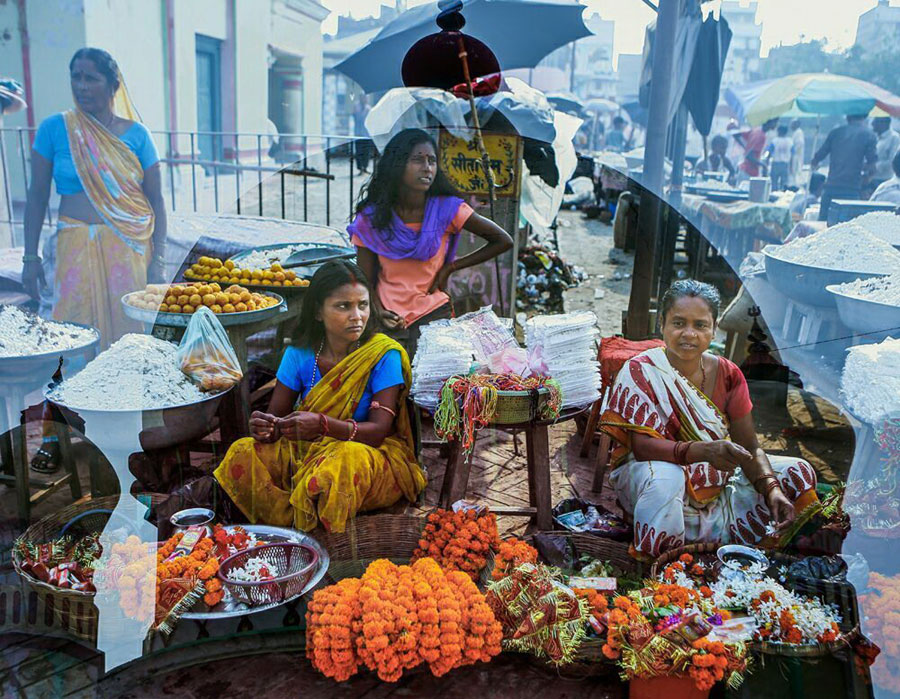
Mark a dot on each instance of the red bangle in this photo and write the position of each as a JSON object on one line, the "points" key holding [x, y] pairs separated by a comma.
{"points": [[680, 452], [323, 424]]}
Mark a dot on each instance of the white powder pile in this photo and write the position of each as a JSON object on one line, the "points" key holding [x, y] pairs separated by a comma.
{"points": [[139, 372], [263, 259], [847, 247], [25, 334], [871, 380], [882, 224], [877, 289]]}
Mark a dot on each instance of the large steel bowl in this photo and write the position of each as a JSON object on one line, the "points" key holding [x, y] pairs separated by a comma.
{"points": [[806, 283], [865, 316], [35, 365], [162, 427]]}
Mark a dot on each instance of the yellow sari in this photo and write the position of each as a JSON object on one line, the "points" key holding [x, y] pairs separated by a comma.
{"points": [[97, 263], [329, 480]]}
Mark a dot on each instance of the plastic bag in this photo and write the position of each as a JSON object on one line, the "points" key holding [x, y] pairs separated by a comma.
{"points": [[205, 354]]}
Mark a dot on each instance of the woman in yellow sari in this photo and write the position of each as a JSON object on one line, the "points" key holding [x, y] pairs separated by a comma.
{"points": [[336, 439], [111, 228]]}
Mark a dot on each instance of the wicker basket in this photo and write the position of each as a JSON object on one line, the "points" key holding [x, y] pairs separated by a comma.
{"points": [[517, 407], [789, 650], [69, 611], [367, 539], [291, 564], [589, 660]]}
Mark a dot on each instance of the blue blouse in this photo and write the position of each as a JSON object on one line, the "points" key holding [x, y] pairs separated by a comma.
{"points": [[298, 363], [52, 142]]}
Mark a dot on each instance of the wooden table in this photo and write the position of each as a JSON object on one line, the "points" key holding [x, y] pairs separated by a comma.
{"points": [[537, 450]]}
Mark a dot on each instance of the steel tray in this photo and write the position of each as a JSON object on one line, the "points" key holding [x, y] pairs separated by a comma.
{"points": [[180, 320]]}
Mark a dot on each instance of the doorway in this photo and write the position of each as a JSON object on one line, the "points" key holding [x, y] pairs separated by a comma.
{"points": [[209, 98]]}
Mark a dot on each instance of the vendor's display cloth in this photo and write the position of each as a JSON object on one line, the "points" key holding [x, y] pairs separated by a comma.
{"points": [[300, 483], [738, 215], [672, 504]]}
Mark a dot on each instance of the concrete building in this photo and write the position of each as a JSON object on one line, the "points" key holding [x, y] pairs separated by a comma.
{"points": [[339, 93], [628, 71], [201, 65], [879, 29], [592, 74], [742, 62]]}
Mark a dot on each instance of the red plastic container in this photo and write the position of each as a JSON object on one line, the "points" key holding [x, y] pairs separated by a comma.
{"points": [[665, 688]]}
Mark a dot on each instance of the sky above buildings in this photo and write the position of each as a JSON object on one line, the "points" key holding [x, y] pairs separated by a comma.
{"points": [[783, 21]]}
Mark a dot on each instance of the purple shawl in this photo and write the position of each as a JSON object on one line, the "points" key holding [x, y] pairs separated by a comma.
{"points": [[404, 242]]}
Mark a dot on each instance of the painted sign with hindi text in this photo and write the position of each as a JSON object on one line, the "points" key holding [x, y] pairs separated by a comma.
{"points": [[461, 163]]}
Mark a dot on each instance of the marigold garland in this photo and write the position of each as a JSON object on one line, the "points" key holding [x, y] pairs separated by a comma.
{"points": [[459, 540], [394, 618], [511, 553]]}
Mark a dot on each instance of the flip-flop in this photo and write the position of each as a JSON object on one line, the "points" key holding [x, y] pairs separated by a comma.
{"points": [[45, 462]]}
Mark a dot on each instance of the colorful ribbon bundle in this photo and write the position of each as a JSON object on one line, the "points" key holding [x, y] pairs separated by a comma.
{"points": [[469, 403]]}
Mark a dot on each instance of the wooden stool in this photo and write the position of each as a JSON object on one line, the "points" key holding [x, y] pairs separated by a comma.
{"points": [[537, 449]]}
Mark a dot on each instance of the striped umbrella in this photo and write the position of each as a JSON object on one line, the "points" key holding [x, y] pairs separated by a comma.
{"points": [[811, 93]]}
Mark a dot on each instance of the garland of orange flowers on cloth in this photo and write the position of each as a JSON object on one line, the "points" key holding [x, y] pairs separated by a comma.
{"points": [[459, 540], [395, 618], [469, 403]]}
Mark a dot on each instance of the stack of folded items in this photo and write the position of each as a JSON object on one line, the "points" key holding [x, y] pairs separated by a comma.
{"points": [[566, 345], [443, 352]]}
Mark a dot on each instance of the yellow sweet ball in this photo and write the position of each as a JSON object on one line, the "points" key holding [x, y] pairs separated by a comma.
{"points": [[221, 298], [290, 275], [251, 306], [276, 267], [240, 307], [228, 308], [215, 308], [246, 274], [187, 309], [229, 264], [256, 274], [215, 288], [176, 290], [268, 274], [245, 296], [174, 308], [203, 260], [267, 282], [215, 263], [183, 299], [234, 280], [279, 276], [195, 300], [171, 300], [163, 308], [234, 297], [209, 299]]}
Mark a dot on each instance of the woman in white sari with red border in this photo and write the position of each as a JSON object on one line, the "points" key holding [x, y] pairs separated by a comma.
{"points": [[687, 461]]}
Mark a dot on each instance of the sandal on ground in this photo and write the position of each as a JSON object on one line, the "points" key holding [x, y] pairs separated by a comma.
{"points": [[46, 461]]}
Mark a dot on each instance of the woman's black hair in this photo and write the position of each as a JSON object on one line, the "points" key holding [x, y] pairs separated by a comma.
{"points": [[383, 190], [332, 275], [690, 287], [106, 64]]}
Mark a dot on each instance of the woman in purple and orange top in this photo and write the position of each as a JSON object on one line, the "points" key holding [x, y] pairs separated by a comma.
{"points": [[406, 231], [687, 462]]}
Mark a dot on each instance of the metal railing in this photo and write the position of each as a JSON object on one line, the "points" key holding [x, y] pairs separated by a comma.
{"points": [[296, 177]]}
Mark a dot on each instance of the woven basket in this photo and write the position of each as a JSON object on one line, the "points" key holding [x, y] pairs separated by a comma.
{"points": [[589, 660], [787, 650], [367, 539], [517, 407], [69, 611]]}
